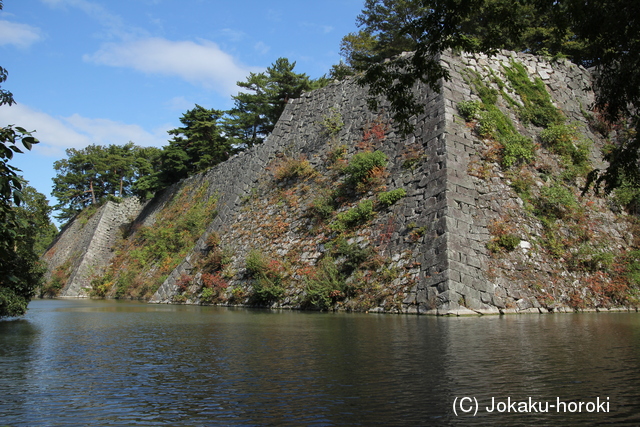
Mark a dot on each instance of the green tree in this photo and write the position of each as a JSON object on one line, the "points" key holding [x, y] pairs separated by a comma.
{"points": [[36, 212], [148, 162], [612, 33], [283, 85], [20, 271], [427, 28], [259, 106], [90, 175], [384, 32], [196, 146], [247, 124]]}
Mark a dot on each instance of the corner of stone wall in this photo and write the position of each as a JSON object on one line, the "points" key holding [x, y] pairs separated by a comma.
{"points": [[466, 290], [469, 209]]}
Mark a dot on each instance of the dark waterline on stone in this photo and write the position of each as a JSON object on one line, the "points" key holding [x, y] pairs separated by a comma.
{"points": [[84, 362]]}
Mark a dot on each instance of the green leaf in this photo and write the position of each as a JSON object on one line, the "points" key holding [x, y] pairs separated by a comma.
{"points": [[17, 198], [28, 141]]}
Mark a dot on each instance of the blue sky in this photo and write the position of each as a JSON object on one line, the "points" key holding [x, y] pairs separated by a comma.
{"points": [[109, 72]]}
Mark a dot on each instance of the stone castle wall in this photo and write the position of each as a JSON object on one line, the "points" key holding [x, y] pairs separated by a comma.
{"points": [[446, 269], [472, 203], [299, 132]]}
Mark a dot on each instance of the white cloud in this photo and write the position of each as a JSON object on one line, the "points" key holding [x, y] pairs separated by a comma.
{"points": [[202, 63], [261, 48], [19, 35], [59, 133]]}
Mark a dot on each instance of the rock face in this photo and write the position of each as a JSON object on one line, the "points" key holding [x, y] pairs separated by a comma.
{"points": [[292, 203]]}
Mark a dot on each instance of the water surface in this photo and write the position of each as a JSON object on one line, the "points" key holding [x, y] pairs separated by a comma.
{"points": [[85, 362]]}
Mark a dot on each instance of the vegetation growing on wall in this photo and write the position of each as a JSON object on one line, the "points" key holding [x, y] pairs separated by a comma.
{"points": [[548, 187], [334, 207], [292, 169], [147, 254], [58, 280], [268, 276]]}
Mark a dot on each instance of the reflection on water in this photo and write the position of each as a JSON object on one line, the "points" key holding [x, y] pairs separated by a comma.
{"points": [[78, 362]]}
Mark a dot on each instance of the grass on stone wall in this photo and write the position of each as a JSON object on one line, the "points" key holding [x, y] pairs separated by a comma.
{"points": [[332, 122], [607, 278], [338, 205], [86, 214], [150, 253], [59, 278], [324, 285], [290, 169], [388, 198], [358, 215], [366, 170], [536, 107], [494, 124], [617, 286], [350, 275], [328, 213], [564, 140], [503, 236], [268, 276], [211, 272]]}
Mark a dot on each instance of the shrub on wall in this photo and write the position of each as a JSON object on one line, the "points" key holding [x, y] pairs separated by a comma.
{"points": [[324, 285], [291, 169], [332, 123], [563, 140], [555, 202], [388, 198], [213, 286], [536, 107], [516, 149], [268, 275], [469, 110], [322, 207], [59, 278], [150, 253], [362, 166], [357, 215], [505, 242]]}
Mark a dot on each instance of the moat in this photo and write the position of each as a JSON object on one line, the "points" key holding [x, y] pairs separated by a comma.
{"points": [[94, 362]]}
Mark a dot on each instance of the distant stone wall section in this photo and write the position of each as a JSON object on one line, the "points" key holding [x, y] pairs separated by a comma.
{"points": [[87, 243]]}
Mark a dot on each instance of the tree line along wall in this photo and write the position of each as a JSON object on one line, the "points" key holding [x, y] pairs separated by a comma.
{"points": [[426, 252]]}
